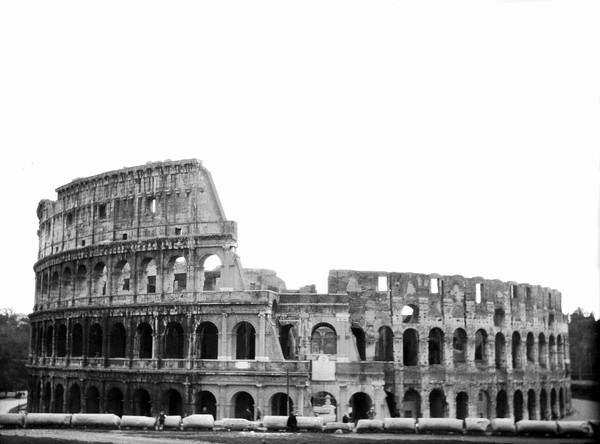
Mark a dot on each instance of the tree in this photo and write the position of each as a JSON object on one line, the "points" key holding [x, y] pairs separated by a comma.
{"points": [[583, 340], [14, 347]]}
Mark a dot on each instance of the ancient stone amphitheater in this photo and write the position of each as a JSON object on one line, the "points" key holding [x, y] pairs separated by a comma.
{"points": [[131, 318]]}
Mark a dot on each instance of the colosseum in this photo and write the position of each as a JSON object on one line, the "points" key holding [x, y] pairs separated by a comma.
{"points": [[142, 305]]}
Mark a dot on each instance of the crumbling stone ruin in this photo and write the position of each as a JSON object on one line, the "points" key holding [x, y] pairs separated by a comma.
{"points": [[129, 318]]}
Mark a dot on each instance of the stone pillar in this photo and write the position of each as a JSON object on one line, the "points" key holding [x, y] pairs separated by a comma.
{"points": [[223, 339], [222, 404], [156, 352], [190, 335], [343, 402], [343, 351], [300, 390], [260, 355], [423, 350], [398, 347]]}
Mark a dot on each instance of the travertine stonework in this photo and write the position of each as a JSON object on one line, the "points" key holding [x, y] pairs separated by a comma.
{"points": [[129, 318]]}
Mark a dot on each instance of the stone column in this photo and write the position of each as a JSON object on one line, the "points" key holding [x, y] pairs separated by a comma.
{"points": [[260, 355], [342, 331], [223, 354]]}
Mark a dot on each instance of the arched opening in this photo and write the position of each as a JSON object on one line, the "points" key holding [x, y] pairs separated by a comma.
{"points": [[560, 351], [77, 341], [99, 280], [436, 346], [173, 342], [281, 404], [49, 340], [542, 350], [437, 404], [501, 405], [500, 349], [95, 341], [530, 347], [118, 339], [552, 349], [359, 336], [61, 341], [148, 277], [74, 399], [385, 345], [483, 404], [531, 404], [122, 278], [114, 402], [54, 285], [172, 402], [324, 340], [47, 397], [81, 282], [207, 337], [462, 405], [144, 339], [459, 346], [410, 347], [498, 317], [518, 405], [212, 272], [142, 403], [245, 337], [92, 400], [481, 346], [67, 282], [288, 338], [516, 350], [59, 398], [561, 403], [410, 314], [324, 404], [360, 403], [243, 406], [543, 405], [553, 404], [411, 404], [206, 404], [40, 341]]}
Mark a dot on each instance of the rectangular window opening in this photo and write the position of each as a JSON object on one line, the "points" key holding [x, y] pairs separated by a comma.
{"points": [[69, 219], [124, 236], [478, 292], [126, 284], [151, 204], [382, 283], [434, 286], [513, 291], [83, 243], [102, 211], [151, 284], [177, 231]]}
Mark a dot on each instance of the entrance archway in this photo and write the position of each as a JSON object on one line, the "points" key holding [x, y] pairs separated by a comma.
{"points": [[92, 400], [518, 405], [281, 404], [411, 404], [243, 405], [437, 404], [206, 404], [114, 402], [501, 404], [142, 404], [360, 403], [462, 405], [172, 403], [74, 399]]}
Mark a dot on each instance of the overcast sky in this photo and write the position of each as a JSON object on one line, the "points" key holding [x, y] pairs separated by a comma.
{"points": [[451, 137]]}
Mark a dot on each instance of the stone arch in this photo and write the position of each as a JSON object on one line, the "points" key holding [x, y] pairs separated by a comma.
{"points": [[81, 281], [117, 341], [552, 351], [500, 349], [324, 404], [499, 317], [518, 405], [436, 346], [61, 341], [410, 314], [561, 403], [142, 403], [176, 278], [462, 405], [211, 266], [92, 400], [288, 339], [114, 401], [531, 404], [553, 404], [206, 403], [245, 340], [481, 346], [542, 350], [54, 285], [95, 341], [324, 339], [560, 351], [543, 404], [360, 403], [173, 341], [281, 404], [67, 282], [502, 405], [411, 404], [243, 405], [74, 399], [459, 346], [145, 343], [516, 350], [172, 402], [207, 337], [410, 347], [148, 276], [59, 398], [49, 340], [122, 278], [47, 397], [483, 404], [77, 341], [384, 350], [360, 340], [437, 404], [99, 277]]}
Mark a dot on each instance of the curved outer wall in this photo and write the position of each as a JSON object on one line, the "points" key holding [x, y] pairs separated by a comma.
{"points": [[127, 319]]}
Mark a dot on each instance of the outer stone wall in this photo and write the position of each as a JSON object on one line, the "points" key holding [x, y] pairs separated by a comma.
{"points": [[129, 319]]}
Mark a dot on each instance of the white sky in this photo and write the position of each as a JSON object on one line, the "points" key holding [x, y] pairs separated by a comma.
{"points": [[456, 137]]}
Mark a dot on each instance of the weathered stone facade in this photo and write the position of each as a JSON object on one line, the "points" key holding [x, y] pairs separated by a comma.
{"points": [[128, 319]]}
